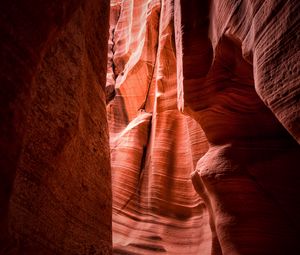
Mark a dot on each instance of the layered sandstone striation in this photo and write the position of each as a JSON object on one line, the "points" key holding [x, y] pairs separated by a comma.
{"points": [[232, 67], [202, 104], [154, 147], [239, 78], [55, 194]]}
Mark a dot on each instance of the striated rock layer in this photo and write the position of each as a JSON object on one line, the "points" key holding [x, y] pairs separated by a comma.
{"points": [[55, 194], [238, 76], [154, 147], [232, 67]]}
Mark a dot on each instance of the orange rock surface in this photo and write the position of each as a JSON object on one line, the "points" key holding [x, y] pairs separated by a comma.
{"points": [[190, 146], [154, 147], [232, 66]]}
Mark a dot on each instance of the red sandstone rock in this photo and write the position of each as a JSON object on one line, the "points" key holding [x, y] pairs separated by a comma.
{"points": [[228, 55], [55, 194], [233, 68], [248, 178], [154, 147]]}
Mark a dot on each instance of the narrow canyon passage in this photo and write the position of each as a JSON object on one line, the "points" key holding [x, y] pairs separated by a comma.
{"points": [[149, 126]]}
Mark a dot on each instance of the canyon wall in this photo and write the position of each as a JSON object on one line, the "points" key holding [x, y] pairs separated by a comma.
{"points": [[55, 182], [154, 147], [233, 67], [202, 103], [239, 78]]}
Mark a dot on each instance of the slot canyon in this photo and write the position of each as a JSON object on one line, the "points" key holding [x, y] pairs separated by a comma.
{"points": [[147, 127]]}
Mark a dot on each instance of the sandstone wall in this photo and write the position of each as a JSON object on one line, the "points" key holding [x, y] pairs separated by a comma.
{"points": [[154, 148], [55, 193], [233, 67], [238, 70], [203, 113]]}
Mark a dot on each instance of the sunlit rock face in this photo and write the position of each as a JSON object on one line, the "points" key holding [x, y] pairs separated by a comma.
{"points": [[154, 147], [55, 194], [232, 66]]}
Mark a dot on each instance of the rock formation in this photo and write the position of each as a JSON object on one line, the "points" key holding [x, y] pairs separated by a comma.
{"points": [[242, 92], [154, 147], [190, 146], [237, 76], [55, 188]]}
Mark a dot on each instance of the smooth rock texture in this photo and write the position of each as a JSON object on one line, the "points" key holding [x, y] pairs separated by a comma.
{"points": [[239, 78], [203, 109], [233, 67], [154, 147], [55, 181]]}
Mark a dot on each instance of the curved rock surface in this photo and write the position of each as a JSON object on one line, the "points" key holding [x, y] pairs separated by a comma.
{"points": [[243, 91], [233, 67], [55, 194], [154, 148], [203, 112]]}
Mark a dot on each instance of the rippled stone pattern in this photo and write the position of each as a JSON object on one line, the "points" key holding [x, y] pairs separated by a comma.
{"points": [[238, 76], [233, 67], [154, 147]]}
